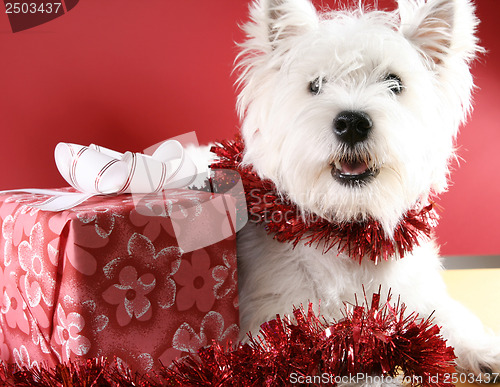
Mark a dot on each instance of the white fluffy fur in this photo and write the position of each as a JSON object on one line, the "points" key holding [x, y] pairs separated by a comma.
{"points": [[289, 139]]}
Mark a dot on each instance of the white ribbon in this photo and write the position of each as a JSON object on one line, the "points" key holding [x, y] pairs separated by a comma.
{"points": [[94, 170]]}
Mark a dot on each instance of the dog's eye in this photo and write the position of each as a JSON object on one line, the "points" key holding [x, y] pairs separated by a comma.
{"points": [[394, 82], [315, 86]]}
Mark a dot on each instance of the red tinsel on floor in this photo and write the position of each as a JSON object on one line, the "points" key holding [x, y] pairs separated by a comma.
{"points": [[98, 372], [377, 342], [285, 222]]}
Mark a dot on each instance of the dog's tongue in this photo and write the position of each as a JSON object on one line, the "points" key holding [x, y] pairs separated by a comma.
{"points": [[353, 168]]}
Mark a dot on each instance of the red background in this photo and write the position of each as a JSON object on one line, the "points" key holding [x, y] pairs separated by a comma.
{"points": [[127, 74]]}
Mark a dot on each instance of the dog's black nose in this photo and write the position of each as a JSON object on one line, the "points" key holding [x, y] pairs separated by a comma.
{"points": [[352, 127]]}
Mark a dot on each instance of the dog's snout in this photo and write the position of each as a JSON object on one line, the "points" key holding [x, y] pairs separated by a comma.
{"points": [[352, 127]]}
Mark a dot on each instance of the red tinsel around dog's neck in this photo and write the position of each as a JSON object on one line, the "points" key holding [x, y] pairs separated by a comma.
{"points": [[283, 220]]}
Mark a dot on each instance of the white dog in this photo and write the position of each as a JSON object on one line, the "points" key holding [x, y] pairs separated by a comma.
{"points": [[352, 115]]}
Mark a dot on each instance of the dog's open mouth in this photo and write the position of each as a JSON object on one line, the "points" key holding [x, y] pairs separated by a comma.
{"points": [[353, 172]]}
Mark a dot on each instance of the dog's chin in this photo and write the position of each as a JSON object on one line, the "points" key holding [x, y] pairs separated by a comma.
{"points": [[355, 173]]}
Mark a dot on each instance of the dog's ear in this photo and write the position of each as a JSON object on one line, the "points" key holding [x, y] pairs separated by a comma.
{"points": [[289, 18], [440, 29], [275, 21]]}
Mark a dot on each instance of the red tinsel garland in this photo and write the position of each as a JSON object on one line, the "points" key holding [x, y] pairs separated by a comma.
{"points": [[285, 222], [377, 342], [92, 372]]}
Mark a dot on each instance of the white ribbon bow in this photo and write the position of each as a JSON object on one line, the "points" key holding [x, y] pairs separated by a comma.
{"points": [[94, 170]]}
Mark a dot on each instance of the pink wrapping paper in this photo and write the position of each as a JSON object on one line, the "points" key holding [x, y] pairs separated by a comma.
{"points": [[108, 278]]}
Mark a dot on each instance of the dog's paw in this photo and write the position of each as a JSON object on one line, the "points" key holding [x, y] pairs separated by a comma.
{"points": [[488, 376], [483, 363]]}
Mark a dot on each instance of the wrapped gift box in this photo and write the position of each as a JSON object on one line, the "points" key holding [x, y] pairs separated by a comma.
{"points": [[111, 278]]}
